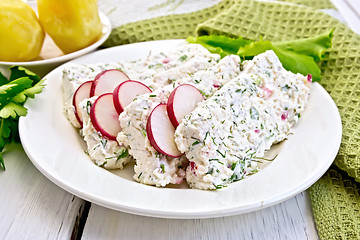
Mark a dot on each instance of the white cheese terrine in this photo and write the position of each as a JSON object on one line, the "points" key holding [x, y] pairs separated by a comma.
{"points": [[223, 136], [208, 81], [103, 152], [188, 58], [156, 70], [152, 167], [73, 76], [289, 91]]}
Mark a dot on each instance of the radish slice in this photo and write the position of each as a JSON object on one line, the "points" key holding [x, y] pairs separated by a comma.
{"points": [[126, 92], [182, 101], [161, 133], [104, 116], [107, 81], [80, 94]]}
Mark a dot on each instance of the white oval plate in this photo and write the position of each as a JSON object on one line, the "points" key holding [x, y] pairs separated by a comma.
{"points": [[51, 56], [57, 150]]}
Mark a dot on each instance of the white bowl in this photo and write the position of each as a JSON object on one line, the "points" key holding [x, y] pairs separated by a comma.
{"points": [[51, 56]]}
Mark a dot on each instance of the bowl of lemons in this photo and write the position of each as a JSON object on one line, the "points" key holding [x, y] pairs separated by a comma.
{"points": [[60, 31]]}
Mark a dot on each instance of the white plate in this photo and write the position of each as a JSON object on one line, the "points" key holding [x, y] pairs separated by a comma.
{"points": [[51, 56], [57, 150]]}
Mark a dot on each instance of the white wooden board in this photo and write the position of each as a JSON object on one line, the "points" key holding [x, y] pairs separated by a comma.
{"points": [[32, 207], [289, 220]]}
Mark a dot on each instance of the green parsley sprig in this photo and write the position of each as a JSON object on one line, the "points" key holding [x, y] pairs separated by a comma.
{"points": [[21, 85]]}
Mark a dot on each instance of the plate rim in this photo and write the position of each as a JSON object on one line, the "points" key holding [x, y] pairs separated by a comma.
{"points": [[182, 215]]}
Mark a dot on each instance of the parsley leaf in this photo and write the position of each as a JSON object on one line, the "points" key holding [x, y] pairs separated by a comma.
{"points": [[18, 72], [21, 85]]}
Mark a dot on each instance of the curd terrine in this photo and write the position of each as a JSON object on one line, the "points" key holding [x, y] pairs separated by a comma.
{"points": [[103, 152], [223, 137], [151, 167], [156, 70]]}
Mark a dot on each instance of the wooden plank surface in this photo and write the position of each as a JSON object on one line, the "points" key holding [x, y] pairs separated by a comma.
{"points": [[31, 206], [291, 219]]}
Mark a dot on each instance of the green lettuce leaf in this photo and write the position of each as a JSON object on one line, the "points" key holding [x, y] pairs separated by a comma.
{"points": [[314, 46], [291, 60], [221, 45], [297, 56]]}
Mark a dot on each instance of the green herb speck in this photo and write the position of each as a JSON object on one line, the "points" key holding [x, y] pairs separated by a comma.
{"points": [[195, 143], [254, 113], [123, 154], [183, 58], [223, 155], [103, 143]]}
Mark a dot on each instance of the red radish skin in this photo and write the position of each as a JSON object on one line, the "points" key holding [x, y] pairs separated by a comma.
{"points": [[182, 101], [161, 133], [81, 93], [104, 117], [107, 81], [126, 92]]}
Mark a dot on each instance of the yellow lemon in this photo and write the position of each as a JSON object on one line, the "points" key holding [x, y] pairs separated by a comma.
{"points": [[72, 24], [21, 35]]}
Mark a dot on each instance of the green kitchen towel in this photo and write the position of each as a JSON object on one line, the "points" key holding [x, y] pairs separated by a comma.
{"points": [[335, 197], [336, 205], [177, 25]]}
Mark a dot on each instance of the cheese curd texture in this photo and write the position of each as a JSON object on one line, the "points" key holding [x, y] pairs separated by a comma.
{"points": [[155, 71], [223, 137], [73, 76], [151, 167], [103, 152]]}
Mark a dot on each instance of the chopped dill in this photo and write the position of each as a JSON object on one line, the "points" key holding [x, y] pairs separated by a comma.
{"points": [[183, 58], [162, 168], [195, 143], [217, 160], [103, 143], [206, 134], [123, 154], [266, 159], [223, 155]]}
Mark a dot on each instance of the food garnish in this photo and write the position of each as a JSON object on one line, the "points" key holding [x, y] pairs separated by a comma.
{"points": [[21, 85], [297, 56]]}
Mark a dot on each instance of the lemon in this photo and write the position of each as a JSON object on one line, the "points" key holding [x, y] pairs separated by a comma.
{"points": [[21, 35], [72, 24]]}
